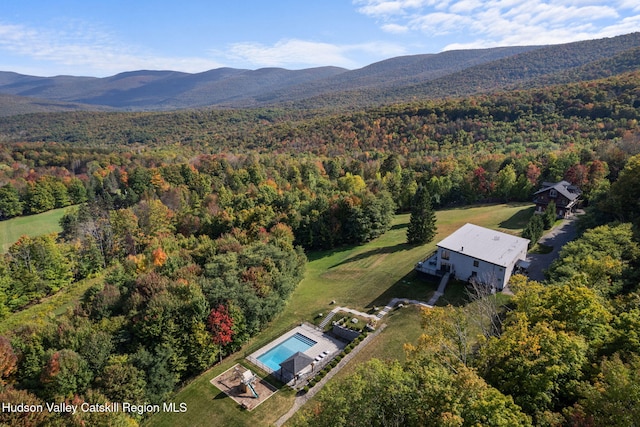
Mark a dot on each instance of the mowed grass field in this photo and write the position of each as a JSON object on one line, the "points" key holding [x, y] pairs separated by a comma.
{"points": [[360, 277], [32, 225]]}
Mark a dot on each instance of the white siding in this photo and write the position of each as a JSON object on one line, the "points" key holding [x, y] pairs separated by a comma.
{"points": [[462, 264], [463, 269]]}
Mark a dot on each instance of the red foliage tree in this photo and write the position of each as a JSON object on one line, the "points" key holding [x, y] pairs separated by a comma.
{"points": [[480, 180], [577, 175], [533, 173], [220, 324]]}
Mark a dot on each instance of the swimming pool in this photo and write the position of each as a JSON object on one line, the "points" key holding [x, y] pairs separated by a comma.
{"points": [[287, 348]]}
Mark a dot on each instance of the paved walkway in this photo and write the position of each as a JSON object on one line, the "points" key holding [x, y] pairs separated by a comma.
{"points": [[387, 308], [303, 398], [443, 284]]}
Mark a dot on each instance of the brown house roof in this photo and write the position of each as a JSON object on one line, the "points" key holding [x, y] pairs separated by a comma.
{"points": [[568, 190]]}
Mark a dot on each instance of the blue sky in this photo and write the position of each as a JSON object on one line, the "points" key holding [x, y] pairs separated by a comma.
{"points": [[105, 37]]}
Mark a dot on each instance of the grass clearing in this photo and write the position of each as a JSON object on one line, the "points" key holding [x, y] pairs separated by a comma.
{"points": [[32, 225], [51, 306], [360, 277]]}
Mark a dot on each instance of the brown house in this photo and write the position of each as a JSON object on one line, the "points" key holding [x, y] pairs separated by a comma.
{"points": [[563, 193]]}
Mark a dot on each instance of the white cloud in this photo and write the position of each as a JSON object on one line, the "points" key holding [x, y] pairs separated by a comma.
{"points": [[487, 23], [92, 51], [440, 23], [302, 53], [465, 6], [627, 25], [630, 4], [551, 14], [87, 51], [395, 28], [382, 8]]}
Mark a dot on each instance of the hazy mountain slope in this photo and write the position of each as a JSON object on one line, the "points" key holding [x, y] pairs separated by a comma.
{"points": [[623, 62], [71, 88], [453, 73], [11, 105], [523, 69], [247, 86], [395, 72], [161, 89]]}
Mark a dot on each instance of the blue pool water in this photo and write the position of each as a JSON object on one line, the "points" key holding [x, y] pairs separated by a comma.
{"points": [[278, 354]]}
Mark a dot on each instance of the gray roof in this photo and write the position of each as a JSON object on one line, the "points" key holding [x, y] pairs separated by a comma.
{"points": [[296, 363], [565, 188], [485, 244]]}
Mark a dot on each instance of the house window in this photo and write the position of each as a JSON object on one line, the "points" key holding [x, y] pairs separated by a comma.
{"points": [[445, 254], [553, 193], [476, 263]]}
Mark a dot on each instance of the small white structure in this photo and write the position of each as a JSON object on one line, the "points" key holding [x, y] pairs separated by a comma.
{"points": [[482, 254]]}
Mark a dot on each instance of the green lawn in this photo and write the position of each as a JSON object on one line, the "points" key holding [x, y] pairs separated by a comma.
{"points": [[360, 277], [32, 225]]}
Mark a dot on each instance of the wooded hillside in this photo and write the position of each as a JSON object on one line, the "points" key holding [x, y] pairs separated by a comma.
{"points": [[195, 226]]}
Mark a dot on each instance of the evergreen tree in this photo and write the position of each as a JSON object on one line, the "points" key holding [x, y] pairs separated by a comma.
{"points": [[533, 230], [422, 224], [549, 217]]}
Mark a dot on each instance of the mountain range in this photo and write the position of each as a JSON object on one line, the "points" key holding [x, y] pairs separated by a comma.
{"points": [[446, 74]]}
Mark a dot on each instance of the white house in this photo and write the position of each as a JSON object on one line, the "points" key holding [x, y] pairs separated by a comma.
{"points": [[478, 253]]}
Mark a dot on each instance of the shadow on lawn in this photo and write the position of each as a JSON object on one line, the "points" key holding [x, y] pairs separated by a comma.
{"points": [[517, 220], [316, 254], [378, 251], [399, 226], [455, 295], [410, 286], [221, 395], [416, 286]]}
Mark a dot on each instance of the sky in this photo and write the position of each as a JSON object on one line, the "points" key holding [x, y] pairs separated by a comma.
{"points": [[104, 37]]}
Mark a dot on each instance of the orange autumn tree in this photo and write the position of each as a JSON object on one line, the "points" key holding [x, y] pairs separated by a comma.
{"points": [[158, 257], [8, 360]]}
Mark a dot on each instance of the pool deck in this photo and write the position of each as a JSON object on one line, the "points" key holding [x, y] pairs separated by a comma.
{"points": [[325, 349]]}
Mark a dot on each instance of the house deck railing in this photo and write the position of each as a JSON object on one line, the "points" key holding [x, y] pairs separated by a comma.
{"points": [[429, 265]]}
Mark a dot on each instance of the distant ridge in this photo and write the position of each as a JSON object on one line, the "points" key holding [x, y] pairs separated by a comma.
{"points": [[405, 78]]}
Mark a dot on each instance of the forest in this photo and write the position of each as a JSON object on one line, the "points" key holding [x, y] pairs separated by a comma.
{"points": [[194, 227]]}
